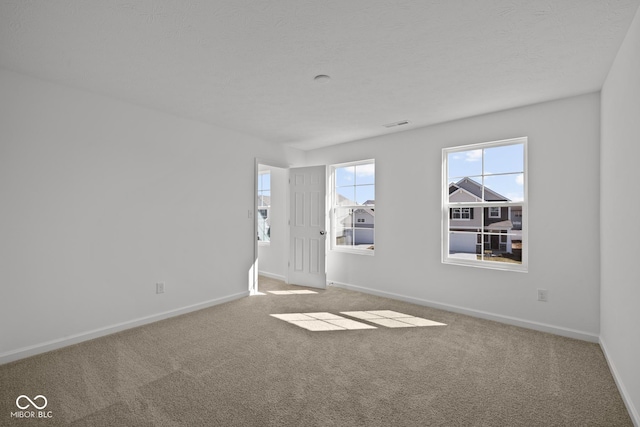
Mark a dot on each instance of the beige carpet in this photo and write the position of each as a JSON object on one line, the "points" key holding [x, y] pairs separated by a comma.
{"points": [[235, 365]]}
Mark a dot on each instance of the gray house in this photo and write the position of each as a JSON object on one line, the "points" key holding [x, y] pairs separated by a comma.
{"points": [[502, 224], [358, 225]]}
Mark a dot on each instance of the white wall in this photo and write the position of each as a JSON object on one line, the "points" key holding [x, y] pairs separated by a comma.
{"points": [[620, 243], [101, 200], [273, 256], [564, 199]]}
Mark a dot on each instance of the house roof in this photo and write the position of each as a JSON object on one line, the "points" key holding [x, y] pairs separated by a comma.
{"points": [[475, 188], [453, 190], [264, 200], [342, 200]]}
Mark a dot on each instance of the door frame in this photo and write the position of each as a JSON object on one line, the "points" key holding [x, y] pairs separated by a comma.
{"points": [[253, 272]]}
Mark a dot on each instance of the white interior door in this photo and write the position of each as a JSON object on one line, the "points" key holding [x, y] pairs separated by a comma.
{"points": [[307, 226]]}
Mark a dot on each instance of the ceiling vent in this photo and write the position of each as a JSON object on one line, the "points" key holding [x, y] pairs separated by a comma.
{"points": [[394, 124]]}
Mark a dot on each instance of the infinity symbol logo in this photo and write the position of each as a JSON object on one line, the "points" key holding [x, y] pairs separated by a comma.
{"points": [[22, 396]]}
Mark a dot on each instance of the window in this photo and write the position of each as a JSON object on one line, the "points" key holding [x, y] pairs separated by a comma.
{"points": [[264, 206], [489, 179], [353, 207], [461, 213]]}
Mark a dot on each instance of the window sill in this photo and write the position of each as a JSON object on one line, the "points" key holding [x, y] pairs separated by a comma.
{"points": [[263, 243], [518, 268], [368, 252]]}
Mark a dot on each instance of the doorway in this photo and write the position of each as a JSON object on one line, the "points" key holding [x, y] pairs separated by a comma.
{"points": [[271, 228], [289, 225]]}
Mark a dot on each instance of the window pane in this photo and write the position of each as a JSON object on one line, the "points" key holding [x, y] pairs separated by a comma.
{"points": [[345, 196], [264, 198], [504, 187], [505, 159], [364, 194], [364, 228], [265, 181], [345, 176], [467, 189], [365, 174], [463, 244], [344, 224], [354, 227], [502, 237], [354, 186], [464, 163], [266, 193], [516, 217], [497, 223], [264, 227], [509, 221], [503, 248], [264, 201]]}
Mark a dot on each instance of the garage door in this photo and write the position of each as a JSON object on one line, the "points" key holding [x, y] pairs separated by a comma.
{"points": [[462, 242]]}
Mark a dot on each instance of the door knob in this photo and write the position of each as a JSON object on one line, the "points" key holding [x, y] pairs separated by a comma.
{"points": [[322, 233]]}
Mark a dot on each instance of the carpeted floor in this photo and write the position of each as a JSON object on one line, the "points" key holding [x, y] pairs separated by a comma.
{"points": [[235, 365]]}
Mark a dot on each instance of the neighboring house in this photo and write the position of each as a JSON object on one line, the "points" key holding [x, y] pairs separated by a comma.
{"points": [[264, 218], [504, 223], [358, 226]]}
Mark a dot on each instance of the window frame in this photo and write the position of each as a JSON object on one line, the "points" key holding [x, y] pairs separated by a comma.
{"points": [[334, 206], [447, 205]]}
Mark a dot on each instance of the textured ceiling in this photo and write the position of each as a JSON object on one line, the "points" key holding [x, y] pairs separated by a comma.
{"points": [[249, 64]]}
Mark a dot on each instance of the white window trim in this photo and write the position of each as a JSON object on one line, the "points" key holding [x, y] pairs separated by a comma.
{"points": [[332, 182], [461, 212], [494, 216], [446, 205]]}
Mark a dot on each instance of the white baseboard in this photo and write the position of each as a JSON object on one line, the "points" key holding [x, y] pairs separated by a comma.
{"points": [[272, 275], [543, 327], [633, 412], [32, 350]]}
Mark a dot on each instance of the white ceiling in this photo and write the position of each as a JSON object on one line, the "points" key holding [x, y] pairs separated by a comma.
{"points": [[249, 64]]}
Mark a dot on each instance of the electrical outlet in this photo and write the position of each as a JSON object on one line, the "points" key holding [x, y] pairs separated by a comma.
{"points": [[160, 288], [543, 294]]}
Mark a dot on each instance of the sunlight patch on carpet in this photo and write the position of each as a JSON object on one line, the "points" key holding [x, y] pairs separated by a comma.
{"points": [[391, 319], [295, 292], [322, 321]]}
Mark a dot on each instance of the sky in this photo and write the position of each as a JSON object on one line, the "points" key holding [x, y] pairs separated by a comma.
{"points": [[264, 181], [503, 169], [356, 182], [499, 168]]}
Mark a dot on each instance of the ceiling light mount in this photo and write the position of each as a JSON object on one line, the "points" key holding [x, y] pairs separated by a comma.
{"points": [[322, 78]]}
